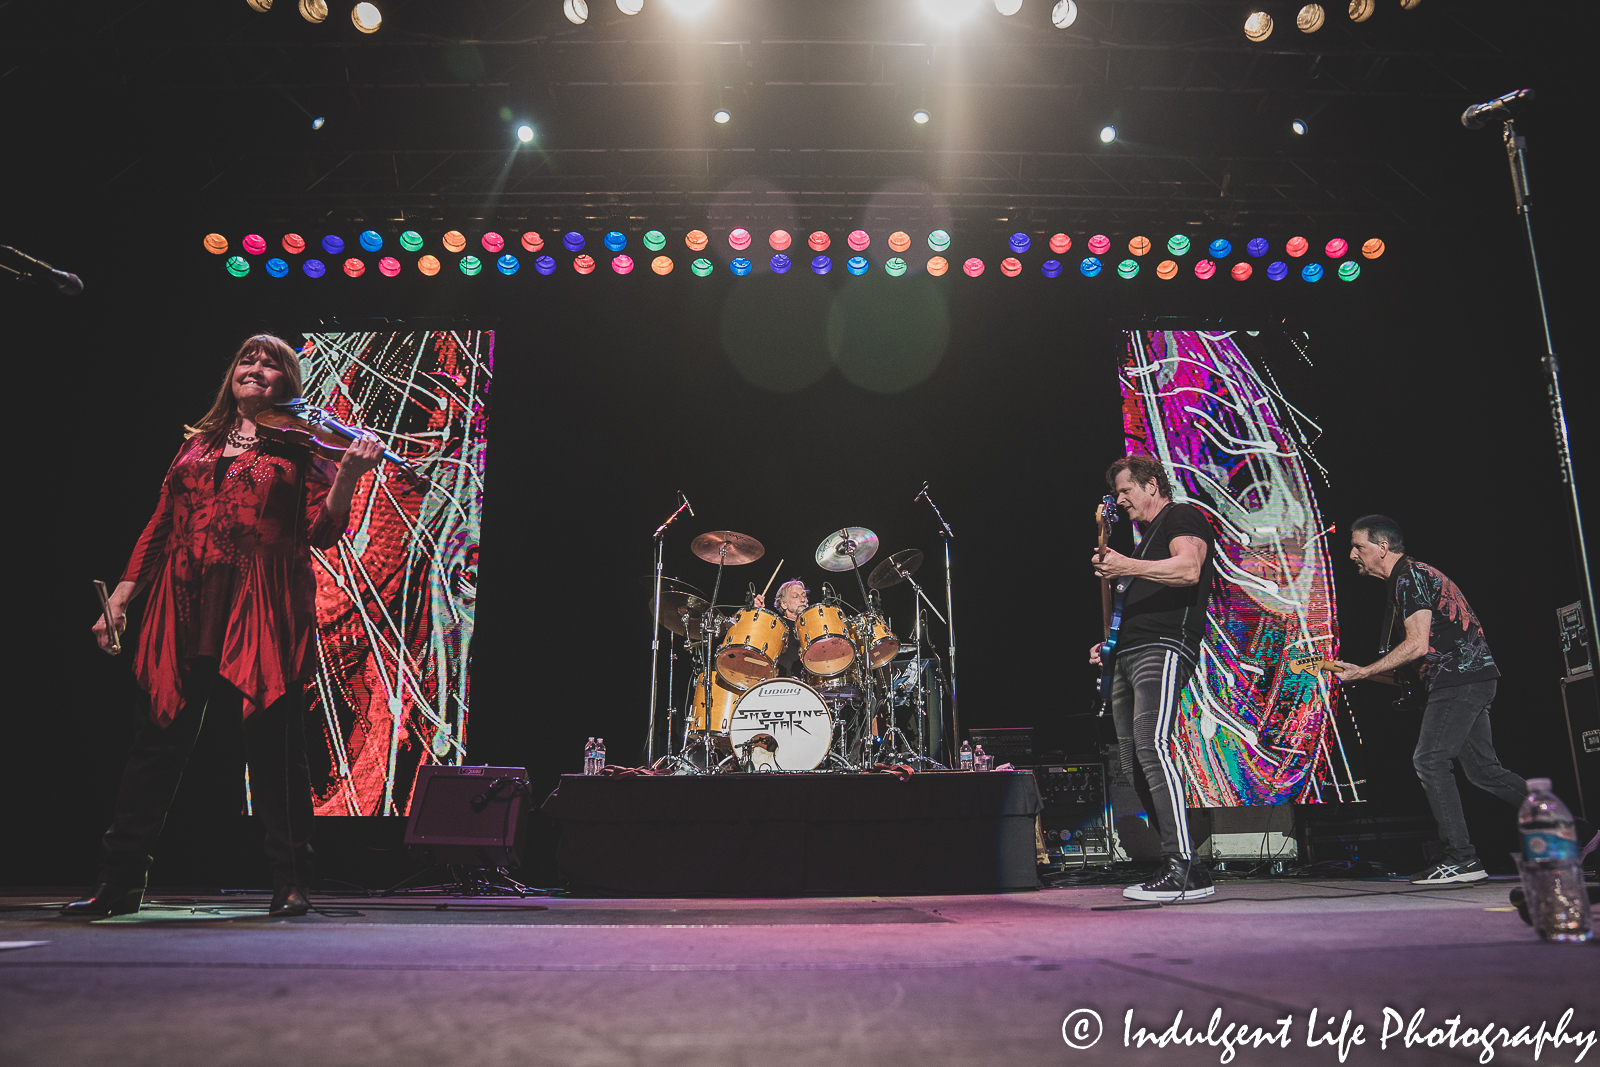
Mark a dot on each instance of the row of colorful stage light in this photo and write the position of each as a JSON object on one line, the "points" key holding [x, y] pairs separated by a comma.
{"points": [[740, 239], [937, 266]]}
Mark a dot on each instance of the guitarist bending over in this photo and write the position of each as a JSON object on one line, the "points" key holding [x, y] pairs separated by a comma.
{"points": [[1460, 676], [1163, 587]]}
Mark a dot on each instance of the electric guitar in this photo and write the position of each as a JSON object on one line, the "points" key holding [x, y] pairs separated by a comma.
{"points": [[1105, 515], [1411, 697]]}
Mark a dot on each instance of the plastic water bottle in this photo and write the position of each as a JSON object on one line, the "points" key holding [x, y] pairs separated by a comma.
{"points": [[966, 755], [980, 759], [599, 755], [1552, 880], [588, 756]]}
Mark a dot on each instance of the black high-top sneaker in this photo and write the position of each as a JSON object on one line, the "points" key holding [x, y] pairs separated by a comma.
{"points": [[1181, 882]]}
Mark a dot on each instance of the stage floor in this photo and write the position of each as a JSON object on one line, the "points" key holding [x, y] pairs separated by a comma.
{"points": [[834, 982]]}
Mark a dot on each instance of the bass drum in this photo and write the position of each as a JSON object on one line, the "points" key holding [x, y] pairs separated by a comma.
{"points": [[723, 699], [825, 646], [750, 651], [783, 723], [876, 643]]}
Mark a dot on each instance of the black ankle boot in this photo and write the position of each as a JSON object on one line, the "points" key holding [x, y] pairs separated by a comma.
{"points": [[108, 898], [288, 902]]}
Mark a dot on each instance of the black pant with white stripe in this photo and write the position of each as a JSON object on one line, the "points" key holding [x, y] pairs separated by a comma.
{"points": [[1144, 707]]}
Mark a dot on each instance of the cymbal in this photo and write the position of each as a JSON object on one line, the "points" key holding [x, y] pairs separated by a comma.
{"points": [[680, 612], [742, 548], [836, 550], [896, 568], [669, 582]]}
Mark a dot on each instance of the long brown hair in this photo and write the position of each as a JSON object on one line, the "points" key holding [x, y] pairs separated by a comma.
{"points": [[225, 409]]}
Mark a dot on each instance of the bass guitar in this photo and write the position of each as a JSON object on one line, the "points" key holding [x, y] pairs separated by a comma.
{"points": [[1105, 516]]}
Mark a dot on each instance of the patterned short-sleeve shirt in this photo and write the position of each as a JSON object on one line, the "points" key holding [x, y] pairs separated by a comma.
{"points": [[1458, 652]]}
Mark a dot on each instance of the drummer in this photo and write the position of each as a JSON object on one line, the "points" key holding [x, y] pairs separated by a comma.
{"points": [[789, 601]]}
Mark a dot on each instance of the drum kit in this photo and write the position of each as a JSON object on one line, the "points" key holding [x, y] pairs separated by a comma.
{"points": [[841, 704]]}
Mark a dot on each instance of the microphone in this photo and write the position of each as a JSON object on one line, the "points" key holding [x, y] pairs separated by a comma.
{"points": [[59, 280], [1478, 115], [922, 494], [686, 503]]}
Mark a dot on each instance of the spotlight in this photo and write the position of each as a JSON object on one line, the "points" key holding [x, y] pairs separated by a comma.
{"points": [[951, 12], [630, 7], [318, 122], [525, 134], [577, 11], [1360, 10], [1064, 14], [721, 116], [1008, 7], [367, 17], [313, 10], [1310, 18], [920, 117], [1108, 134], [1258, 26], [1299, 127]]}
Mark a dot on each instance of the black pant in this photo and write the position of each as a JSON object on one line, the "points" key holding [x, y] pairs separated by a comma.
{"points": [[1144, 707], [280, 780], [1456, 726]]}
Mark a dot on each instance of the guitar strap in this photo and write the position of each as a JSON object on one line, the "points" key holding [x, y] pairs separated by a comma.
{"points": [[1387, 638]]}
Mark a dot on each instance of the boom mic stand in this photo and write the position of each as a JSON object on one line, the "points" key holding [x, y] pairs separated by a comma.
{"points": [[950, 610], [921, 711], [1516, 155], [655, 631]]}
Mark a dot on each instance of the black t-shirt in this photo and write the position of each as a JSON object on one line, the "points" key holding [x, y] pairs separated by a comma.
{"points": [[1458, 653], [1171, 616], [789, 658]]}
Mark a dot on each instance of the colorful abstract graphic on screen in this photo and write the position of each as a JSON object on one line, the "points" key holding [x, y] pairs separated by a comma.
{"points": [[396, 596], [1251, 730]]}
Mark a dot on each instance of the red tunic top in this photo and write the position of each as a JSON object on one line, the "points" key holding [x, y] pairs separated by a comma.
{"points": [[229, 571]]}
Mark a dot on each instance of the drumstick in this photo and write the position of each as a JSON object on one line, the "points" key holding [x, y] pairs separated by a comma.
{"points": [[111, 624], [774, 578]]}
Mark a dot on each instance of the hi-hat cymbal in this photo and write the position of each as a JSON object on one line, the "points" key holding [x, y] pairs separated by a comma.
{"points": [[896, 569], [680, 612], [741, 548], [847, 548]]}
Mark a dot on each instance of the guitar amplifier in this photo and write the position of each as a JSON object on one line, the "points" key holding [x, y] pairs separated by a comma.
{"points": [[468, 815], [1076, 821]]}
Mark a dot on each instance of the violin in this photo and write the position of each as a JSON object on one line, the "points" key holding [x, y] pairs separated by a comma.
{"points": [[295, 422]]}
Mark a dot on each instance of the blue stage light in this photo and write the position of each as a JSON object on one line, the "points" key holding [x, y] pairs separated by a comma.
{"points": [[371, 240], [1311, 272], [545, 265], [314, 268], [616, 241], [1221, 248], [277, 268], [821, 265], [1277, 270], [572, 240], [1050, 268], [1090, 266], [780, 264], [507, 264], [857, 265], [740, 266]]}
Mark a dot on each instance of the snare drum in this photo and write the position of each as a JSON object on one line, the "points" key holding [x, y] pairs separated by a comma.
{"points": [[825, 646], [796, 723], [842, 688], [749, 653], [876, 643], [723, 700]]}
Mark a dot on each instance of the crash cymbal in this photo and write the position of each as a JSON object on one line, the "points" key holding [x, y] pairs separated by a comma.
{"points": [[669, 582], [837, 549], [680, 612], [742, 548], [896, 569]]}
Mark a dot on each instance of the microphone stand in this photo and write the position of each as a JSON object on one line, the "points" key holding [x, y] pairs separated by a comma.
{"points": [[1516, 156], [922, 714], [950, 623], [655, 633]]}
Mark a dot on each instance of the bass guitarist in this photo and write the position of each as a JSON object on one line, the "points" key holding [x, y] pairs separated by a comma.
{"points": [[1164, 587]]}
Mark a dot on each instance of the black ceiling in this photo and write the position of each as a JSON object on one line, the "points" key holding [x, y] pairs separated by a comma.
{"points": [[211, 105]]}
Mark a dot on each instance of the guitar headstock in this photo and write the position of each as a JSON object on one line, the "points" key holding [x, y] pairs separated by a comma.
{"points": [[1105, 513], [1309, 663]]}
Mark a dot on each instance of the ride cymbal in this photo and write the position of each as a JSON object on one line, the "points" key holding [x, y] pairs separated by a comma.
{"points": [[740, 548], [679, 612], [847, 548], [896, 569]]}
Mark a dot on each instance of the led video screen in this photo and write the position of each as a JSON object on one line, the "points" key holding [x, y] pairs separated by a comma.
{"points": [[1251, 729], [396, 596]]}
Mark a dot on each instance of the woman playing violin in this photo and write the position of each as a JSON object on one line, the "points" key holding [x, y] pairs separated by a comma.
{"points": [[226, 558]]}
